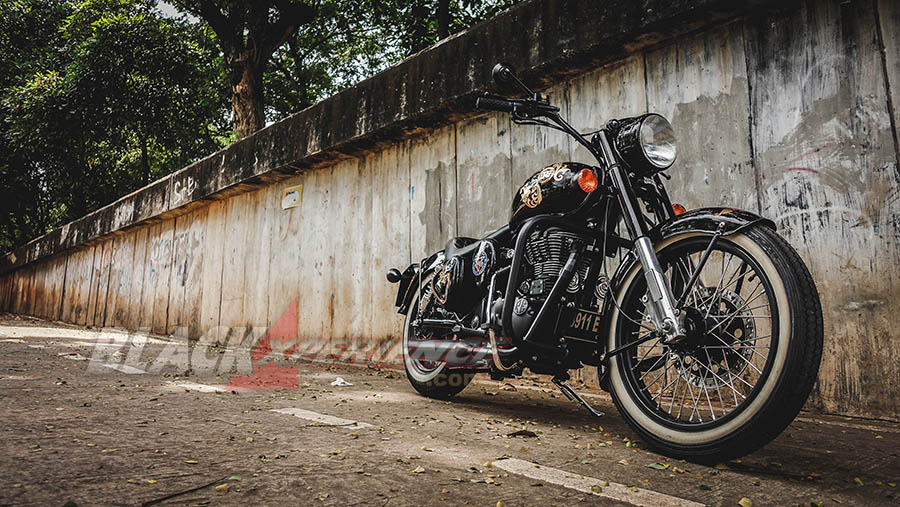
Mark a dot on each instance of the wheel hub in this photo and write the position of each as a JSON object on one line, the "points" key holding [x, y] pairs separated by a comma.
{"points": [[719, 340]]}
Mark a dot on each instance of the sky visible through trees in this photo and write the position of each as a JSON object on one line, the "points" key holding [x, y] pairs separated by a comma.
{"points": [[101, 97]]}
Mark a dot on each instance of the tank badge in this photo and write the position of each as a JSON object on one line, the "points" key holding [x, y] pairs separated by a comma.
{"points": [[479, 263], [546, 174], [560, 172], [531, 194]]}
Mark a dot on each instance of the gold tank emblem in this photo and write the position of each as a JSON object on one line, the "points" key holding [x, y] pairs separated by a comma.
{"points": [[546, 174], [560, 172], [531, 194]]}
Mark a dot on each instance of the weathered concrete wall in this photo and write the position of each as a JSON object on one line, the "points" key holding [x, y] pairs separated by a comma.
{"points": [[790, 111]]}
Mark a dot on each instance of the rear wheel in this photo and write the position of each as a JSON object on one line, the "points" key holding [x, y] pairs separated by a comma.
{"points": [[430, 378], [750, 358]]}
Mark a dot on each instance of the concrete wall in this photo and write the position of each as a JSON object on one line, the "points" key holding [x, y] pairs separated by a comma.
{"points": [[790, 111]]}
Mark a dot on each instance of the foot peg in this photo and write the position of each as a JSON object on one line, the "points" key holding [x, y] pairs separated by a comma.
{"points": [[570, 393]]}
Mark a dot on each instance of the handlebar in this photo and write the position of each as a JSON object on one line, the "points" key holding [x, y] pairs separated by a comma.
{"points": [[495, 104]]}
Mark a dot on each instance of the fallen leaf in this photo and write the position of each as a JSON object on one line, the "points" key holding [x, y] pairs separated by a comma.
{"points": [[222, 488], [704, 487], [132, 481], [585, 462], [596, 489], [234, 478], [191, 462], [152, 481], [623, 461], [658, 466], [499, 503], [418, 470], [745, 502], [604, 483], [722, 466], [858, 481], [523, 433]]}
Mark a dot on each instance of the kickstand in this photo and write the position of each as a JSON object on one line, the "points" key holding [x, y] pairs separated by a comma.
{"points": [[563, 385]]}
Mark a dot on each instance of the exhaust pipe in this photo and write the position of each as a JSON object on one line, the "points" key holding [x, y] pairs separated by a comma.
{"points": [[470, 353]]}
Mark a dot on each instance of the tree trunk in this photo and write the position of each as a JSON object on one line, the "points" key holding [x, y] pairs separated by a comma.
{"points": [[443, 15], [246, 96]]}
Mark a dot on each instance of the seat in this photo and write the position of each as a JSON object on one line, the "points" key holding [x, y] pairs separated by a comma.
{"points": [[460, 246], [463, 246]]}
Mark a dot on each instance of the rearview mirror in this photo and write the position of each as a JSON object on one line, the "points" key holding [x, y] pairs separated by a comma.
{"points": [[505, 77]]}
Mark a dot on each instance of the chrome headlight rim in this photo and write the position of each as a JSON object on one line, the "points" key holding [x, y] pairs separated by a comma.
{"points": [[635, 138]]}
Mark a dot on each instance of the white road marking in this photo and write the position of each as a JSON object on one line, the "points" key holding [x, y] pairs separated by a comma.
{"points": [[72, 355], [124, 368], [203, 388], [108, 335], [321, 418], [590, 485]]}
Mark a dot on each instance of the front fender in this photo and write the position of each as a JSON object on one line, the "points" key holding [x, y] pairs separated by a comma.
{"points": [[709, 220]]}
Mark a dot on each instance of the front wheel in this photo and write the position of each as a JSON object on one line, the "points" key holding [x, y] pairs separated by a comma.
{"points": [[751, 356]]}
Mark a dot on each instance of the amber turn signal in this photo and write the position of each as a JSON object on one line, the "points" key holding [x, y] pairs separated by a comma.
{"points": [[587, 180], [678, 209]]}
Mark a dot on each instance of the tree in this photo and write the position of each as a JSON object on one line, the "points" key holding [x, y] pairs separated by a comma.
{"points": [[249, 32], [101, 97]]}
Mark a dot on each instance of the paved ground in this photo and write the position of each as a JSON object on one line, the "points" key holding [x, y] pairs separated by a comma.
{"points": [[73, 433]]}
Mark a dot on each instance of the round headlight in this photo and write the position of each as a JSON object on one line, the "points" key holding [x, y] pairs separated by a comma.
{"points": [[647, 143], [658, 141]]}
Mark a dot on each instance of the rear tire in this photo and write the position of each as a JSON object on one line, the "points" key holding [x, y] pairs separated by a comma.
{"points": [[787, 366], [431, 380]]}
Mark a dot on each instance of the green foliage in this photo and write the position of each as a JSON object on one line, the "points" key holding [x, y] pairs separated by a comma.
{"points": [[350, 40], [101, 97]]}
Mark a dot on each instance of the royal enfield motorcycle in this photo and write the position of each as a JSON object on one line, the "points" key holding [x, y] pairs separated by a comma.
{"points": [[704, 325]]}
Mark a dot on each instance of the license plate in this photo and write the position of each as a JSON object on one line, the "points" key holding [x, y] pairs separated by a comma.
{"points": [[585, 326]]}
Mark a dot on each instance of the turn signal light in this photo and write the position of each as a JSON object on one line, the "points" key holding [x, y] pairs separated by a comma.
{"points": [[678, 209], [587, 180]]}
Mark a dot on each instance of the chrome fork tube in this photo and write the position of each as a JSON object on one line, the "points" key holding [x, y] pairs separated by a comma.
{"points": [[659, 300]]}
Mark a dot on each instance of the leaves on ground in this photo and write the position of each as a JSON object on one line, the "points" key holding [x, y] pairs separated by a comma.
{"points": [[745, 502], [523, 433], [658, 466]]}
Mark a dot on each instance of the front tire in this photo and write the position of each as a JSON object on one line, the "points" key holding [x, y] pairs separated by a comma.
{"points": [[430, 379], [749, 363]]}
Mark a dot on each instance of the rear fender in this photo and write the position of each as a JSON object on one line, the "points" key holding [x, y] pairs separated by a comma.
{"points": [[409, 280]]}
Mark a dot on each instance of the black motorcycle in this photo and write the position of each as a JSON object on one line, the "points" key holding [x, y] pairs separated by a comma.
{"points": [[704, 325]]}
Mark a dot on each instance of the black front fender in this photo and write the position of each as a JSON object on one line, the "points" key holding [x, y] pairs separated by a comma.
{"points": [[709, 220]]}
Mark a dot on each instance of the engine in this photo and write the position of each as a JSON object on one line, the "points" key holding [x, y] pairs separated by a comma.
{"points": [[546, 253]]}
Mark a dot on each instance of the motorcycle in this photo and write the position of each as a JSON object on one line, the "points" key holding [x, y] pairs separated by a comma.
{"points": [[705, 326]]}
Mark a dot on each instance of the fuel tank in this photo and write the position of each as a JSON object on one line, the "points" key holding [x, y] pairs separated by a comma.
{"points": [[553, 189]]}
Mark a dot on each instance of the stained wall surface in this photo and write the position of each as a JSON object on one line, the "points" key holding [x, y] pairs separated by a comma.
{"points": [[791, 113]]}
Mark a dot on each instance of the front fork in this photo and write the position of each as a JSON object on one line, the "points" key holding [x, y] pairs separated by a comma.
{"points": [[659, 300]]}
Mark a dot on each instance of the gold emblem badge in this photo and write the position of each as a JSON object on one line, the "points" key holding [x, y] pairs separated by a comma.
{"points": [[531, 194], [546, 174], [560, 172]]}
